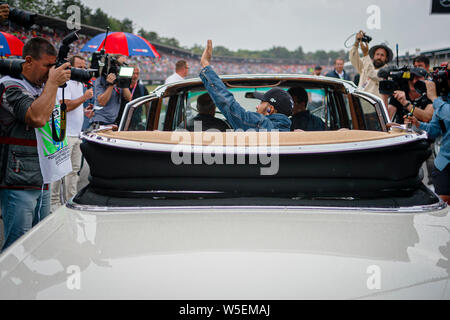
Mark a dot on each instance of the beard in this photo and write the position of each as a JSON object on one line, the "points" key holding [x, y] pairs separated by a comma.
{"points": [[378, 64]]}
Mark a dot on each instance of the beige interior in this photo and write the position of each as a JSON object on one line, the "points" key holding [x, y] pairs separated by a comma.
{"points": [[249, 138]]}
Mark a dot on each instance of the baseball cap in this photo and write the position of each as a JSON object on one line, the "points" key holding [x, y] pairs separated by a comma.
{"points": [[421, 72], [318, 68], [278, 98]]}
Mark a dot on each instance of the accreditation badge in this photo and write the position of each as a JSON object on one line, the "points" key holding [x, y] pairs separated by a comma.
{"points": [[54, 156]]}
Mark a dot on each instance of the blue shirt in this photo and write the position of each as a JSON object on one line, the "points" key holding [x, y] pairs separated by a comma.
{"points": [[237, 116], [109, 112], [433, 128]]}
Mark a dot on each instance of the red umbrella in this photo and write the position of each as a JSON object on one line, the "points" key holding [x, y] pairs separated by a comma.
{"points": [[122, 43], [10, 45]]}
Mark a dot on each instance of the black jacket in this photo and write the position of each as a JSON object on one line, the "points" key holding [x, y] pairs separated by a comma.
{"points": [[333, 74]]}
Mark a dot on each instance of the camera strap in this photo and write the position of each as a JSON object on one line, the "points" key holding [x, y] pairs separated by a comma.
{"points": [[62, 123]]}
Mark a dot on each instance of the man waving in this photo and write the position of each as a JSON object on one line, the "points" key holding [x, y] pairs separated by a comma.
{"points": [[271, 114]]}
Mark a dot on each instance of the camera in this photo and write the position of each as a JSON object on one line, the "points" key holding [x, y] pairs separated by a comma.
{"points": [[11, 67], [394, 79], [20, 17], [79, 75], [105, 64], [440, 77], [366, 38]]}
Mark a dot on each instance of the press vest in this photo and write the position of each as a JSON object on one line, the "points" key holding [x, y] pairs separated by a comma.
{"points": [[18, 146]]}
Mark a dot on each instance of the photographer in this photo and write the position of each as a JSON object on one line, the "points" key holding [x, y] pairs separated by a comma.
{"points": [[74, 97], [109, 97], [4, 12], [26, 104], [137, 90], [439, 126], [368, 66], [402, 101]]}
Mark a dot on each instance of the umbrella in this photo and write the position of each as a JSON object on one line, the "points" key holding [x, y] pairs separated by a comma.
{"points": [[122, 43], [10, 45]]}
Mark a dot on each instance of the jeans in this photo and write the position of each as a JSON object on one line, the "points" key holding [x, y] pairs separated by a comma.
{"points": [[22, 210], [71, 180]]}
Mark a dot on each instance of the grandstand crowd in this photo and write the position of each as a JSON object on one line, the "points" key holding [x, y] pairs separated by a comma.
{"points": [[160, 69]]}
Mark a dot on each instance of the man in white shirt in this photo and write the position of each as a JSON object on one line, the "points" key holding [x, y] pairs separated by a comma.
{"points": [[368, 66], [74, 97], [181, 71]]}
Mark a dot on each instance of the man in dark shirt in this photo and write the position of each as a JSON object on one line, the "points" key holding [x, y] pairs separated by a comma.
{"points": [[401, 102], [338, 71], [27, 103], [302, 119], [206, 116]]}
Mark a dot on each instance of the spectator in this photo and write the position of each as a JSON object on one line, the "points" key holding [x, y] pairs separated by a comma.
{"points": [[301, 118], [181, 71], [25, 104], [74, 97], [109, 97], [422, 62], [338, 71], [368, 66], [317, 70], [205, 119], [272, 113]]}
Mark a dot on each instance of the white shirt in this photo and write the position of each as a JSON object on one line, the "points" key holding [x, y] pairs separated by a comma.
{"points": [[75, 118], [174, 78], [341, 75]]}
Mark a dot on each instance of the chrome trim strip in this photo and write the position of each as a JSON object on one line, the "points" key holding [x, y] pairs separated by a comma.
{"points": [[307, 149], [415, 209]]}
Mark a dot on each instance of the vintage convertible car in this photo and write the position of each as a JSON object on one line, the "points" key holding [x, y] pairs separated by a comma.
{"points": [[345, 215]]}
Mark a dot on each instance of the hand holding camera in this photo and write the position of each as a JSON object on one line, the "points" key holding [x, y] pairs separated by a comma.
{"points": [[401, 97], [431, 90], [59, 75], [111, 79]]}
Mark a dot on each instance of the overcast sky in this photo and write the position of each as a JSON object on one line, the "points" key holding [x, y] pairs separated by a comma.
{"points": [[262, 24]]}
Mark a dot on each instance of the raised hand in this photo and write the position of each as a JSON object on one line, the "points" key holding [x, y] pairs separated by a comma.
{"points": [[207, 54]]}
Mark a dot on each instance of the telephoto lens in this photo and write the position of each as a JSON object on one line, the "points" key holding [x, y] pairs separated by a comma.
{"points": [[11, 67]]}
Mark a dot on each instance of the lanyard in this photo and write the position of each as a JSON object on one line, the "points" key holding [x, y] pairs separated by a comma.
{"points": [[132, 92]]}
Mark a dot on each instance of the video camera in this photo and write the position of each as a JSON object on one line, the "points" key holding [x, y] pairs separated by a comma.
{"points": [[440, 77], [394, 79], [20, 17], [105, 64]]}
